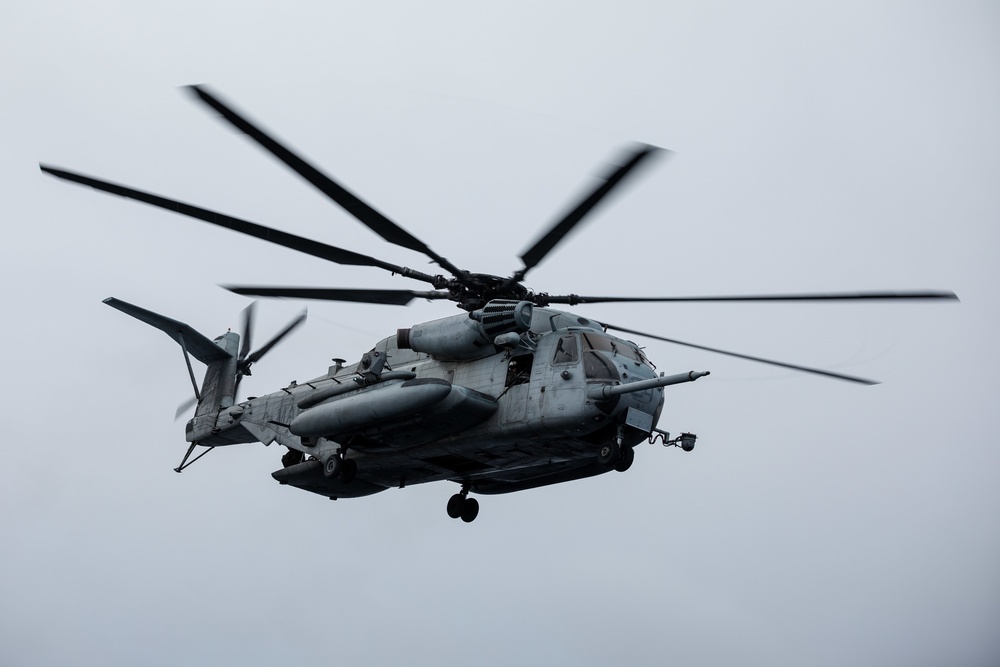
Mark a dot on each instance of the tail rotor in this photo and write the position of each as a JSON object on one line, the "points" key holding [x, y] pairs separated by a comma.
{"points": [[246, 358]]}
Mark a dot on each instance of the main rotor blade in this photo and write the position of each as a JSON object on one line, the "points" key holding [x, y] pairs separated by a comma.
{"points": [[534, 255], [915, 295], [364, 212], [804, 369], [291, 326], [308, 246], [387, 297]]}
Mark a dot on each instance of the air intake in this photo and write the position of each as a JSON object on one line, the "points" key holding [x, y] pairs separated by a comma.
{"points": [[502, 315]]}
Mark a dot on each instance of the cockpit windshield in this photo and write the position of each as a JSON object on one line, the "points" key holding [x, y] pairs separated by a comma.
{"points": [[596, 341]]}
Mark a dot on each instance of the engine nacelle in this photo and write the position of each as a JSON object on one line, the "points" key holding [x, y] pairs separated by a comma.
{"points": [[472, 337]]}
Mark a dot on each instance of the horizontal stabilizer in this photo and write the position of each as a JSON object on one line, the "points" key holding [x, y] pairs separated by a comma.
{"points": [[198, 345]]}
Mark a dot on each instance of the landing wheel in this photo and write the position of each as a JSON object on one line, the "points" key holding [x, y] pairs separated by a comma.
{"points": [[625, 461], [291, 457], [331, 468], [455, 505], [470, 510], [609, 453], [348, 470]]}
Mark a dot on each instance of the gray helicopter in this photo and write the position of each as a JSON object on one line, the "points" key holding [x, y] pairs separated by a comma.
{"points": [[508, 395]]}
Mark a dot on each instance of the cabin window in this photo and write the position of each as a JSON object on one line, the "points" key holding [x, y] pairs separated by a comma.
{"points": [[567, 351], [519, 370]]}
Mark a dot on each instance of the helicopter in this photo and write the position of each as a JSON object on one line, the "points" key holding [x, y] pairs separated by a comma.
{"points": [[509, 395]]}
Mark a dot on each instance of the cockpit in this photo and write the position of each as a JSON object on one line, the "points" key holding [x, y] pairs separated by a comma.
{"points": [[598, 351]]}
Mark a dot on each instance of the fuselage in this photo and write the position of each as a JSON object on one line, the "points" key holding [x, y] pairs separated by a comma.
{"points": [[505, 419]]}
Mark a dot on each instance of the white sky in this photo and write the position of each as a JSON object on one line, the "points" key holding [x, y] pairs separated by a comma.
{"points": [[817, 147]]}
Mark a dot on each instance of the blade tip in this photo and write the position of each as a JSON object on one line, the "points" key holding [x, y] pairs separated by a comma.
{"points": [[200, 91]]}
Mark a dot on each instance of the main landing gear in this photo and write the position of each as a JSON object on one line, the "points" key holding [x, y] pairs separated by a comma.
{"points": [[338, 465], [462, 506]]}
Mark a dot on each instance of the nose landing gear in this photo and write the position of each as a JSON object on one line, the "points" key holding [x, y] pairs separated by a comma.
{"points": [[461, 506], [625, 460], [608, 453], [615, 454]]}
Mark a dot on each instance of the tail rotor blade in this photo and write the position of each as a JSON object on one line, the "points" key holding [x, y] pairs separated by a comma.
{"points": [[184, 407], [248, 359], [291, 326], [247, 333]]}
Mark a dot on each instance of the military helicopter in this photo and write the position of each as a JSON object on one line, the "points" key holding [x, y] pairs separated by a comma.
{"points": [[509, 395]]}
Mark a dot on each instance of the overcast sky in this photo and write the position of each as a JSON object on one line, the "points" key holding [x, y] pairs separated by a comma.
{"points": [[833, 146]]}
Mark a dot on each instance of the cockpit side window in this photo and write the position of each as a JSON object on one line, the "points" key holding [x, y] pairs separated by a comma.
{"points": [[567, 351]]}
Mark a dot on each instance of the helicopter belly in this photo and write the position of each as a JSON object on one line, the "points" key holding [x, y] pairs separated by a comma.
{"points": [[544, 475]]}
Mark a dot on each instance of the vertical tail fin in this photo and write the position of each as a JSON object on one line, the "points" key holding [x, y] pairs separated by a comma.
{"points": [[227, 363], [218, 389]]}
